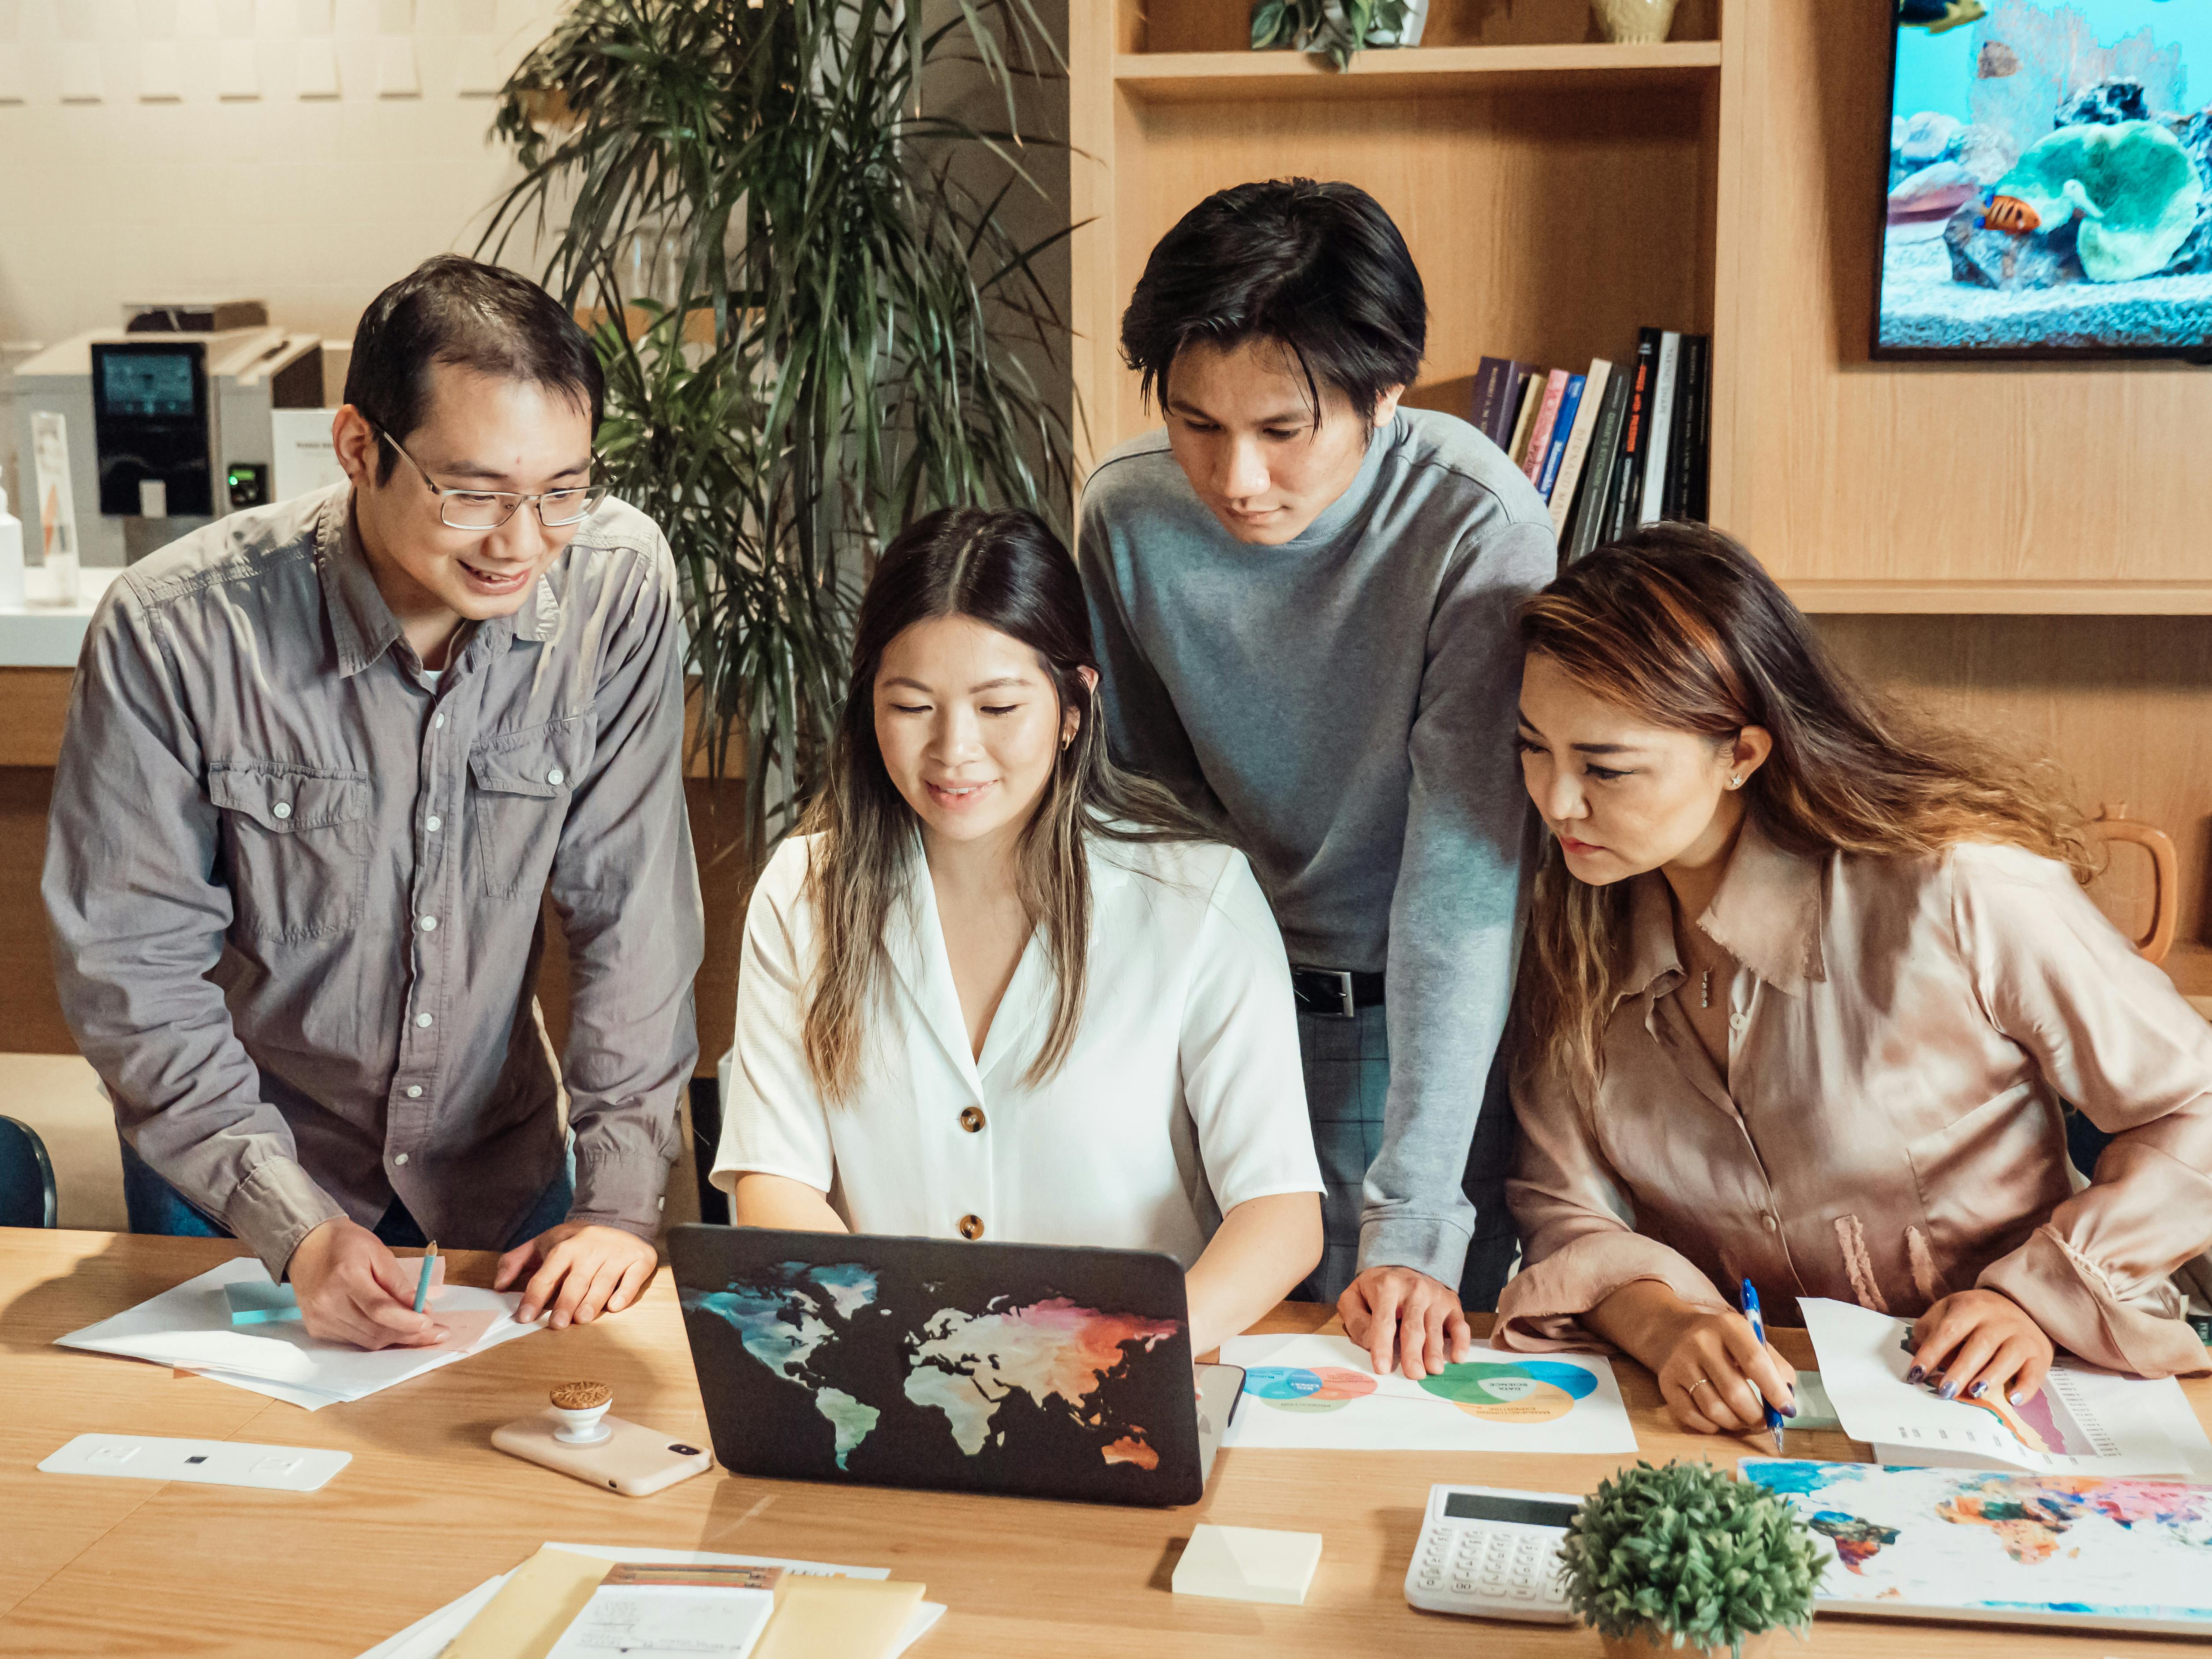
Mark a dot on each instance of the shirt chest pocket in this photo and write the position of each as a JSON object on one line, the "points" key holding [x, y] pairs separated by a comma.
{"points": [[294, 846], [519, 785]]}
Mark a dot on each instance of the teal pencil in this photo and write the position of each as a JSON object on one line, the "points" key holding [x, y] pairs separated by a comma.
{"points": [[423, 1287]]}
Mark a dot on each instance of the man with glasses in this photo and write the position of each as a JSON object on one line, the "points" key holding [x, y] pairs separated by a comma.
{"points": [[324, 761]]}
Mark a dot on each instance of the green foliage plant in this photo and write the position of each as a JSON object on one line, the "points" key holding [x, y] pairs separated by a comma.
{"points": [[1334, 28], [1689, 1552], [816, 322]]}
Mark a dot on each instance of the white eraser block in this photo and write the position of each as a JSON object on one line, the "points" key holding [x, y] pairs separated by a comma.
{"points": [[1248, 1563]]}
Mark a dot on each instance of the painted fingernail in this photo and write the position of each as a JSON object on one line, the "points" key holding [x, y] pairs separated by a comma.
{"points": [[2019, 1396], [1948, 1391], [1977, 1391], [1790, 1410], [1915, 1373]]}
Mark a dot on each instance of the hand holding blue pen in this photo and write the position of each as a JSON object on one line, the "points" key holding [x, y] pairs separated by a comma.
{"points": [[1750, 1303]]}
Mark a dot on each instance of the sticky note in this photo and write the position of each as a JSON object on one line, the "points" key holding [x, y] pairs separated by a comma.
{"points": [[252, 1302], [1248, 1563]]}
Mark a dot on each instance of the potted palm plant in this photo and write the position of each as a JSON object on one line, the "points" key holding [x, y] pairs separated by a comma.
{"points": [[809, 304], [1685, 1557]]}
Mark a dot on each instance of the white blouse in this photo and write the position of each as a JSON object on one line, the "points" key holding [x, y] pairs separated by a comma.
{"points": [[1181, 1098]]}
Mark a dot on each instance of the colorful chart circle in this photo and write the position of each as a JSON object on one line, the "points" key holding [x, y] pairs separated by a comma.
{"points": [[1301, 1389], [1527, 1391]]}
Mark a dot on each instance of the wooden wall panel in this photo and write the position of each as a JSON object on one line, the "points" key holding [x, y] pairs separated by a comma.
{"points": [[1481, 184], [30, 1012], [1835, 468], [2121, 704]]}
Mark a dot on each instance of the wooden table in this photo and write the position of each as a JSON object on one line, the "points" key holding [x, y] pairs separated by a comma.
{"points": [[427, 1509]]}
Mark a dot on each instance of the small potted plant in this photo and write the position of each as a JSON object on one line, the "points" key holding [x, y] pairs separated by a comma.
{"points": [[1337, 28], [1686, 1557]]}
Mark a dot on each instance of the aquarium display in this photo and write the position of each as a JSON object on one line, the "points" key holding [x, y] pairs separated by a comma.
{"points": [[2050, 188]]}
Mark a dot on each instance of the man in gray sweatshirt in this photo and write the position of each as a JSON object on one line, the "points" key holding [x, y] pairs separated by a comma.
{"points": [[1304, 597]]}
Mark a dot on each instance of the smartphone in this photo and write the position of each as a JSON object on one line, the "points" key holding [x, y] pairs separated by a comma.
{"points": [[633, 1460]]}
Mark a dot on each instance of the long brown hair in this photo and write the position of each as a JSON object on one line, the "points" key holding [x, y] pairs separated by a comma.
{"points": [[1009, 572], [1679, 625]]}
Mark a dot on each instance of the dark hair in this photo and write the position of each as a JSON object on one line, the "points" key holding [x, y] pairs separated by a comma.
{"points": [[1008, 571], [1679, 625], [1318, 267], [451, 309]]}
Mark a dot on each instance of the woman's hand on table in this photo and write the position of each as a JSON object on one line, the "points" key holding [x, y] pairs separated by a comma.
{"points": [[582, 1270], [350, 1288], [1406, 1320], [1980, 1344]]}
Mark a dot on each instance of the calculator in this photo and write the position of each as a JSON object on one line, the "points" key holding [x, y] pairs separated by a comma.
{"points": [[1492, 1554]]}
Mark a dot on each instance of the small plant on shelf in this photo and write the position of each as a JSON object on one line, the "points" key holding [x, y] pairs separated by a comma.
{"points": [[1685, 1556], [1336, 29]]}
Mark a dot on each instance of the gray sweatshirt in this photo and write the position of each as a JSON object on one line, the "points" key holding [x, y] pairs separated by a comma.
{"points": [[1343, 707]]}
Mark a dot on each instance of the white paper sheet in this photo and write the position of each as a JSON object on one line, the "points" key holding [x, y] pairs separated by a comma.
{"points": [[1320, 1393], [2085, 1421], [427, 1636], [189, 1326], [693, 1621]]}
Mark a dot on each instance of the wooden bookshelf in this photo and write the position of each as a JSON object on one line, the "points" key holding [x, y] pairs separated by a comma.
{"points": [[1161, 76]]}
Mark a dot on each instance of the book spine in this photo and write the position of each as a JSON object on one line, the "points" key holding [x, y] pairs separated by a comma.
{"points": [[1491, 380], [1593, 513], [1701, 478], [1590, 410], [1663, 422], [1571, 405], [1524, 416], [1628, 477], [1539, 439], [1689, 401]]}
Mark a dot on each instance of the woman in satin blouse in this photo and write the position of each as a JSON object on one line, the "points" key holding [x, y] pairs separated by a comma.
{"points": [[1804, 989]]}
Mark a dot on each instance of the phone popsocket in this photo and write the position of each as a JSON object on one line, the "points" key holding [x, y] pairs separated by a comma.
{"points": [[576, 1435]]}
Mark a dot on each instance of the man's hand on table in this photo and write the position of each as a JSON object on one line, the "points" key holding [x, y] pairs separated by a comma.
{"points": [[1406, 1320], [582, 1270], [351, 1289]]}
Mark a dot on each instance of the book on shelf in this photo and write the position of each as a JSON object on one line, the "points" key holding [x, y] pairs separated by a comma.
{"points": [[1683, 447], [1585, 442], [1654, 498], [1563, 431], [1539, 435], [1532, 394], [1699, 505], [1498, 398], [1627, 470]]}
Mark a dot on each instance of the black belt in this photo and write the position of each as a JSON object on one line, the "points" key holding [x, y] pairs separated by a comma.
{"points": [[1334, 993]]}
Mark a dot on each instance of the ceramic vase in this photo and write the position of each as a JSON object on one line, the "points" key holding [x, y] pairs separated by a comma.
{"points": [[1646, 1642], [1633, 22]]}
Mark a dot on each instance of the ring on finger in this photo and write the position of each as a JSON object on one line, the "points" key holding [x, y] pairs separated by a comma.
{"points": [[1702, 1382]]}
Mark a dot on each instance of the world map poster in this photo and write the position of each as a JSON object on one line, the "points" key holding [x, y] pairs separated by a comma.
{"points": [[1321, 1394], [2119, 1553]]}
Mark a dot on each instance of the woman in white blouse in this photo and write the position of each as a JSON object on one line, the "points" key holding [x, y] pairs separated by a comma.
{"points": [[1000, 989]]}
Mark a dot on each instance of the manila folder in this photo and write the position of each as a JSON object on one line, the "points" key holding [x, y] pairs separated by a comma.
{"points": [[838, 1619], [539, 1601]]}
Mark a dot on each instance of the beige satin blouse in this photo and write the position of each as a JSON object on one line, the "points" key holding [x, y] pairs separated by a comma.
{"points": [[1901, 1033]]}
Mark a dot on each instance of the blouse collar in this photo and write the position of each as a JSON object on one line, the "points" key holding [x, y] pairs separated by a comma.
{"points": [[1765, 914]]}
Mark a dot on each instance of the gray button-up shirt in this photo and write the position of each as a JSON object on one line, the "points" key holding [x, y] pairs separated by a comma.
{"points": [[295, 886]]}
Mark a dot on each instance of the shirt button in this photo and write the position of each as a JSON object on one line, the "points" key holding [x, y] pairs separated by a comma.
{"points": [[437, 719], [282, 808], [971, 1119], [402, 1158], [554, 776], [971, 1226], [1772, 1225], [1737, 1022], [432, 822], [429, 924], [414, 1092], [423, 1020]]}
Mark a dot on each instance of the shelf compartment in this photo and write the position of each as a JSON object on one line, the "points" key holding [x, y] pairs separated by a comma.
{"points": [[1200, 76]]}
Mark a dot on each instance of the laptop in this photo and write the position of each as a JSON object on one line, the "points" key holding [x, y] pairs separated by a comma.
{"points": [[1036, 1370]]}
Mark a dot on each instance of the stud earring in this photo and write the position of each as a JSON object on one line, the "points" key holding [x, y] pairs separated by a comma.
{"points": [[1736, 782]]}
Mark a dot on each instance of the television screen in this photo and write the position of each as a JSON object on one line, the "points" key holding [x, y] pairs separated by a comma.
{"points": [[2050, 186]]}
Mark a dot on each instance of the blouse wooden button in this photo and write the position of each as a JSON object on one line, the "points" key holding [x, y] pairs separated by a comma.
{"points": [[971, 1226], [971, 1119]]}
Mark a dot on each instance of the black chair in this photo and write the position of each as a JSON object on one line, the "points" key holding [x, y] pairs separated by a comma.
{"points": [[27, 1177]]}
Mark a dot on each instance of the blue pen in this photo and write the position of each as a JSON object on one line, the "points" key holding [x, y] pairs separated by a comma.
{"points": [[1750, 1300]]}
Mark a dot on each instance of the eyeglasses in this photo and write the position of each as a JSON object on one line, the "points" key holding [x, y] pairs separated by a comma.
{"points": [[488, 509]]}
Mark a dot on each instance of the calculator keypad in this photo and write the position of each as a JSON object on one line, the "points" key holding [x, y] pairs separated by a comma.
{"points": [[1509, 1571]]}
